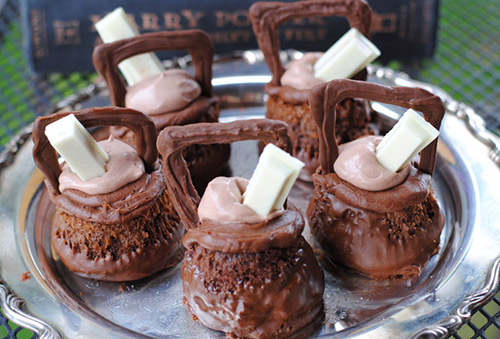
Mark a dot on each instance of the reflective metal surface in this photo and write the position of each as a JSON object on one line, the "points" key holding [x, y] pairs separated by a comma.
{"points": [[462, 276]]}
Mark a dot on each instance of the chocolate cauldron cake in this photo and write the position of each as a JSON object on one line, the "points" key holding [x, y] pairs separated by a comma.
{"points": [[289, 102], [380, 234], [122, 234], [249, 279]]}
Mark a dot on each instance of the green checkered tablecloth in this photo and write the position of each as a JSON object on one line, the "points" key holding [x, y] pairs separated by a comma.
{"points": [[466, 64]]}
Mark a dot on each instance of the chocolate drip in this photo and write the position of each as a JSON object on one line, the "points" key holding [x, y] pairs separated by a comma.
{"points": [[267, 16], [106, 57], [45, 156], [324, 98]]}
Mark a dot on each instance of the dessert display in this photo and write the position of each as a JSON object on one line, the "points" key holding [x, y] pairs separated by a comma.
{"points": [[373, 209], [114, 220], [290, 85], [247, 270], [171, 97]]}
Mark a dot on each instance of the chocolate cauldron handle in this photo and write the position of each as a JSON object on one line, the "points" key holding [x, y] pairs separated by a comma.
{"points": [[324, 98], [45, 156], [174, 139], [267, 16], [106, 57]]}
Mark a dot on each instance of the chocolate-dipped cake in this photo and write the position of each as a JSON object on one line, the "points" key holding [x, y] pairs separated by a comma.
{"points": [[289, 87], [121, 226], [388, 231], [174, 97], [244, 274]]}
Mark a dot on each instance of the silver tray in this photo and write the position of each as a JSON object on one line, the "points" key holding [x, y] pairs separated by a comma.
{"points": [[461, 277]]}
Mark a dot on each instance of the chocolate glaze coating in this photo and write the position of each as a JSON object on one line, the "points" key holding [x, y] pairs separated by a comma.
{"points": [[266, 308], [355, 227], [375, 244], [270, 308]]}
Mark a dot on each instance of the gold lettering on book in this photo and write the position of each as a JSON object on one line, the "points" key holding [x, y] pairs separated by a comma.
{"points": [[304, 34], [150, 22], [231, 37], [38, 33], [172, 20], [66, 32], [317, 20], [192, 17], [238, 18]]}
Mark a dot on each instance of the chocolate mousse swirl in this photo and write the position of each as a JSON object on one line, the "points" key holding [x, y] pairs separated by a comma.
{"points": [[123, 204], [324, 98], [267, 16], [106, 58], [173, 140]]}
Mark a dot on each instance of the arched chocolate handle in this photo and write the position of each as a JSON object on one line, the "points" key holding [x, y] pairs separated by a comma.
{"points": [[174, 139], [106, 57], [267, 16], [324, 98], [46, 157]]}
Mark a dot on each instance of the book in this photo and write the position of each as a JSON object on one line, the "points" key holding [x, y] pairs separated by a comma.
{"points": [[60, 35]]}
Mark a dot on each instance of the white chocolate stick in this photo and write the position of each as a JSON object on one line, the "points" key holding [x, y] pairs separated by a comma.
{"points": [[77, 147], [410, 135], [346, 57], [272, 180], [117, 26]]}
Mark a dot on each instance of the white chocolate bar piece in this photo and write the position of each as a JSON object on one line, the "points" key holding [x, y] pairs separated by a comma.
{"points": [[77, 147], [272, 180], [117, 26], [346, 57], [410, 135]]}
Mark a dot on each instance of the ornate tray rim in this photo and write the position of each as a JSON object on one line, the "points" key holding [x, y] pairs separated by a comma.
{"points": [[12, 305]]}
